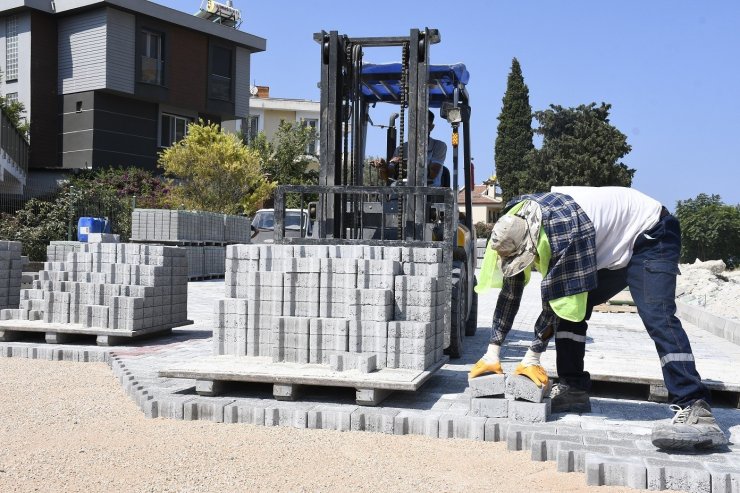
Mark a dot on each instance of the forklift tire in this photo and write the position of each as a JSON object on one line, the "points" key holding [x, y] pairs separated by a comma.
{"points": [[457, 321], [471, 326]]}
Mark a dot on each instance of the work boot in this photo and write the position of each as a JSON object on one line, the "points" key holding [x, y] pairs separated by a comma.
{"points": [[692, 427], [567, 399]]}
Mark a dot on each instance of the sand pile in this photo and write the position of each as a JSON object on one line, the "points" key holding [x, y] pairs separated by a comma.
{"points": [[710, 285]]}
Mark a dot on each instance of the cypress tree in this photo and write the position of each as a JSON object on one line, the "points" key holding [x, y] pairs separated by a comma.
{"points": [[514, 137]]}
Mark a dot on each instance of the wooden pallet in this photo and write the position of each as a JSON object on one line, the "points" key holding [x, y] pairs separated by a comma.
{"points": [[213, 374], [58, 333]]}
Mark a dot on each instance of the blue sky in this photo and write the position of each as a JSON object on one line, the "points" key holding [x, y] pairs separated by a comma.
{"points": [[669, 68]]}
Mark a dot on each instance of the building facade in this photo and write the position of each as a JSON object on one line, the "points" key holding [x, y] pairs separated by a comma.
{"points": [[486, 202], [266, 114], [113, 82]]}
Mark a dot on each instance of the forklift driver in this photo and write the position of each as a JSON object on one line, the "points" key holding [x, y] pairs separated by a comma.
{"points": [[436, 154]]}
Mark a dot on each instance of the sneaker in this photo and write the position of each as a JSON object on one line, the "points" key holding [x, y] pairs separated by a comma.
{"points": [[692, 427], [564, 398]]}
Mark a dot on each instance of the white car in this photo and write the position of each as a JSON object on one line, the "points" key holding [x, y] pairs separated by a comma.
{"points": [[263, 225]]}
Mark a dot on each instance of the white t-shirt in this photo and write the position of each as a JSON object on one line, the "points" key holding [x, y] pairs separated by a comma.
{"points": [[436, 154], [619, 215]]}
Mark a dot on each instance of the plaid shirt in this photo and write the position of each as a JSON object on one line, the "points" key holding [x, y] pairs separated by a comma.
{"points": [[572, 267]]}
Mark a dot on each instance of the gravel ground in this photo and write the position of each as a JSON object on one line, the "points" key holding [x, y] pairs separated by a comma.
{"points": [[69, 427]]}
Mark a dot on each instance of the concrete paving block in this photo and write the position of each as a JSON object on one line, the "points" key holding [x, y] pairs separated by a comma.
{"points": [[462, 427], [408, 329], [725, 478], [495, 429], [571, 457], [522, 388], [414, 423], [487, 386], [546, 445], [677, 475], [327, 417], [373, 420], [489, 407], [253, 414], [529, 412], [286, 416], [378, 267], [172, 407], [603, 470]]}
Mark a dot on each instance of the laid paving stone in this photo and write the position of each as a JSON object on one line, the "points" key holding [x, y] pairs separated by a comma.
{"points": [[206, 410], [462, 427], [545, 445], [603, 470], [327, 417], [489, 407], [677, 475], [529, 412], [495, 429], [415, 423], [725, 479], [571, 457], [374, 420]]}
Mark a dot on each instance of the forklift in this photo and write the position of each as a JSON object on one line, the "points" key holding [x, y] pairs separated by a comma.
{"points": [[407, 212]]}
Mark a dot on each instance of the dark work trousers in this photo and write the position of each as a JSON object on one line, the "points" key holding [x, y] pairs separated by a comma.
{"points": [[651, 277]]}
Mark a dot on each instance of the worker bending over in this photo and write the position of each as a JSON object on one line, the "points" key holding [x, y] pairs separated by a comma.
{"points": [[590, 243]]}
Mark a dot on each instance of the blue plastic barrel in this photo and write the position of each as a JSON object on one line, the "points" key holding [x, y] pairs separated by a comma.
{"points": [[87, 225]]}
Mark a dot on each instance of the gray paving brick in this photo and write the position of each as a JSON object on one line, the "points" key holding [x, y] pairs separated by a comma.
{"points": [[725, 479], [546, 445], [414, 423], [603, 470], [530, 412], [571, 457], [462, 427], [489, 407], [677, 475], [495, 429], [373, 420], [487, 385], [327, 417], [521, 387]]}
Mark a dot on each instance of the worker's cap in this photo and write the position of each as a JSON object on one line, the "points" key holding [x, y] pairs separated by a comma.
{"points": [[514, 237]]}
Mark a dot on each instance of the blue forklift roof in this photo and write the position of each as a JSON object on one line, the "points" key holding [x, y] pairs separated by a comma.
{"points": [[382, 82]]}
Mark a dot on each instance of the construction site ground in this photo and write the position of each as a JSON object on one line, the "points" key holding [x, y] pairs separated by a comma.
{"points": [[620, 357]]}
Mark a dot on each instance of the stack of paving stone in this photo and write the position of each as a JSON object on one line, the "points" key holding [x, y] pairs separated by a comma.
{"points": [[11, 271], [480, 250], [188, 226], [509, 396], [349, 307], [192, 229], [57, 251], [123, 286]]}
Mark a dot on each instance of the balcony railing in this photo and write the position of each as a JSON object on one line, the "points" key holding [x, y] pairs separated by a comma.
{"points": [[13, 143]]}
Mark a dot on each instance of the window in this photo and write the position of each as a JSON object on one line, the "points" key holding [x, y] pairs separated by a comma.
{"points": [[173, 128], [11, 48], [313, 145], [253, 128], [152, 57], [11, 97], [219, 80]]}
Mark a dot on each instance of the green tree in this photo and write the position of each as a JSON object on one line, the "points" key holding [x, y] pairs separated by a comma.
{"points": [[579, 147], [214, 171], [710, 229], [103, 193], [15, 111], [285, 159], [514, 135]]}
